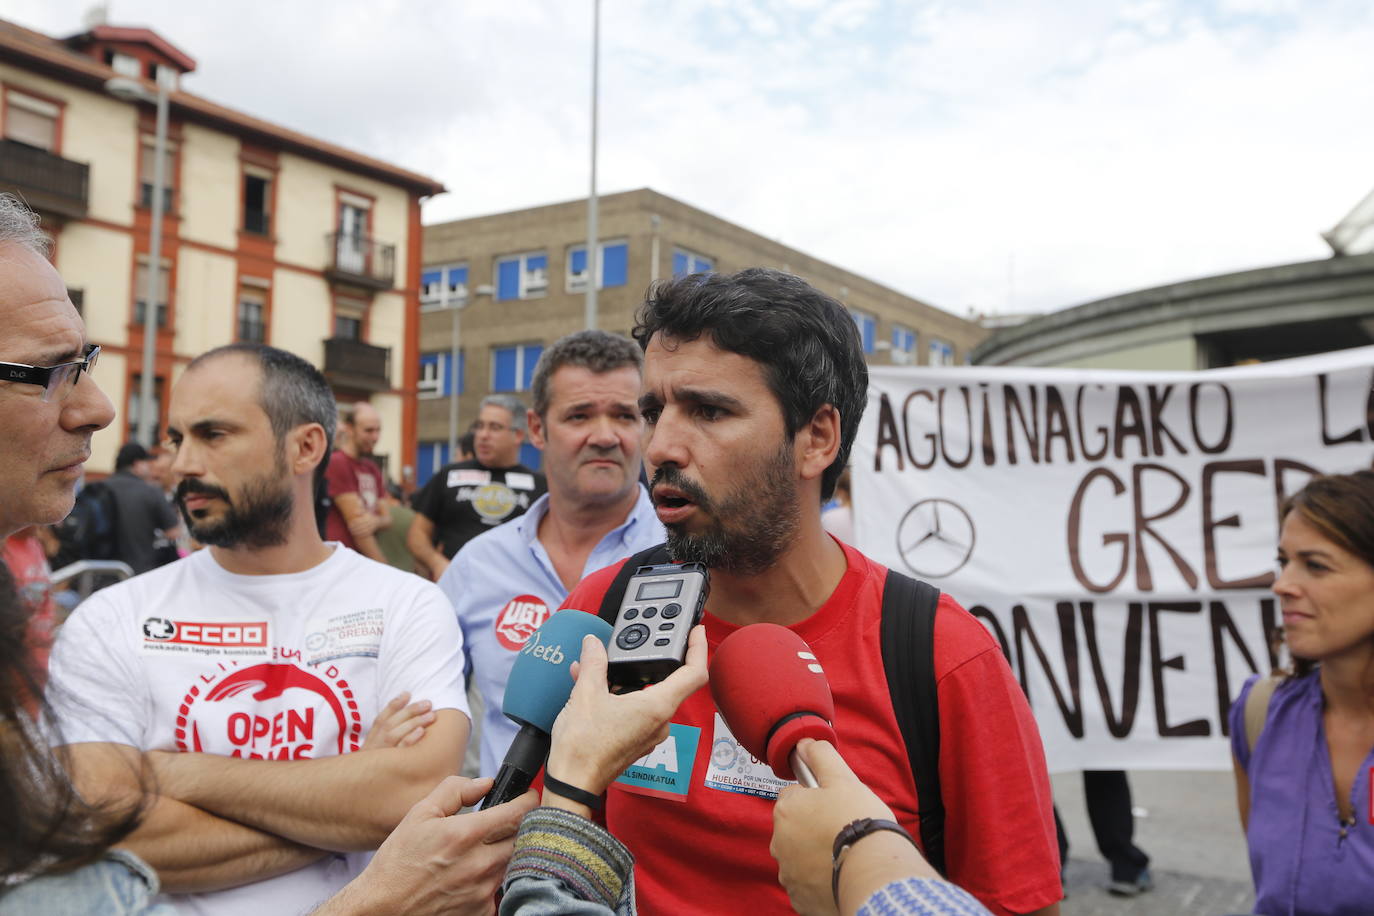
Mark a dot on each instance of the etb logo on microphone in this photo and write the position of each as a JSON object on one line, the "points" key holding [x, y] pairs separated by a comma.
{"points": [[553, 654], [811, 664], [521, 616]]}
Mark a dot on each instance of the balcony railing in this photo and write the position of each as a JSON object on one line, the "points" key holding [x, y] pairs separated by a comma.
{"points": [[354, 364], [47, 182], [361, 260]]}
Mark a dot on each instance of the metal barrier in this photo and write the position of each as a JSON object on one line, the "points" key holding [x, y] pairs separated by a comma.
{"points": [[86, 576]]}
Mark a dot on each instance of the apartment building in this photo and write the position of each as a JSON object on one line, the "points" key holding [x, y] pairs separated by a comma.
{"points": [[268, 235], [519, 280]]}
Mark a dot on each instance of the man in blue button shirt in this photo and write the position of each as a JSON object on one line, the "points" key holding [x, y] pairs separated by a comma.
{"points": [[506, 582]]}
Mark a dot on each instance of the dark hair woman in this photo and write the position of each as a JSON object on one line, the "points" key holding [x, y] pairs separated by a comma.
{"points": [[1304, 779], [55, 855]]}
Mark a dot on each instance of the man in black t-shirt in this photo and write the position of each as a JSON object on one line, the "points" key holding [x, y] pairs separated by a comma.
{"points": [[146, 525], [465, 498]]}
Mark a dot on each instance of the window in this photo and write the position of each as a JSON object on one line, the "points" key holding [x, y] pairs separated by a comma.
{"points": [[146, 176], [252, 317], [141, 292], [123, 64], [512, 367], [444, 285], [135, 408], [685, 262], [436, 378], [903, 345], [430, 458], [346, 327], [351, 251], [612, 269], [31, 121], [522, 276], [941, 352], [868, 328], [257, 191]]}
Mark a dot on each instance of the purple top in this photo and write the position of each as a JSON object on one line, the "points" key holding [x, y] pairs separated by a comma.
{"points": [[1304, 861]]}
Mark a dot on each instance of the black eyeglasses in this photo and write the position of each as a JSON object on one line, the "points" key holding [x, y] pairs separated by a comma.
{"points": [[57, 381]]}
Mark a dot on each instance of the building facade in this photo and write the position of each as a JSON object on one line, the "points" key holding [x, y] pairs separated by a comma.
{"points": [[268, 235], [520, 282]]}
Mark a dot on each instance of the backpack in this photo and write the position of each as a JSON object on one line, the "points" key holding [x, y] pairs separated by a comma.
{"points": [[1257, 708], [91, 531], [908, 647]]}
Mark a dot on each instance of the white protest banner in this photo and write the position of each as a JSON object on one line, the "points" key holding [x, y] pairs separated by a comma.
{"points": [[1115, 531]]}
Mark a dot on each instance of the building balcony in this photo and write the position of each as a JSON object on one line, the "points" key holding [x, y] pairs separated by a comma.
{"points": [[354, 364], [48, 183], [358, 260]]}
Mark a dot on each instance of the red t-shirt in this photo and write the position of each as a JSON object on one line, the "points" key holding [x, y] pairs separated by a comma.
{"points": [[28, 564], [347, 474], [700, 838]]}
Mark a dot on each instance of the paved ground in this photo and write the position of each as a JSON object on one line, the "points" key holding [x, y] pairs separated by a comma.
{"points": [[1187, 823]]}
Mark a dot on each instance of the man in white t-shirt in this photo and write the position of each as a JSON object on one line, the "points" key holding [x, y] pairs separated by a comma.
{"points": [[246, 677]]}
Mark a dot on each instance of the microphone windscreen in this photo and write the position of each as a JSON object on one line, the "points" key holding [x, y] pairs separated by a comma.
{"points": [[771, 692], [540, 682]]}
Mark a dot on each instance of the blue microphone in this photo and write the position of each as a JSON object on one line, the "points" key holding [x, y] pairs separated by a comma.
{"points": [[538, 689]]}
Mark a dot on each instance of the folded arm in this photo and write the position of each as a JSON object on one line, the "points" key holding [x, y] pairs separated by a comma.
{"points": [[420, 540], [192, 850], [345, 803], [362, 525]]}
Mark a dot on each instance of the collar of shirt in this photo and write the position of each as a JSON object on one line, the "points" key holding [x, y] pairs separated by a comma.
{"points": [[641, 528]]}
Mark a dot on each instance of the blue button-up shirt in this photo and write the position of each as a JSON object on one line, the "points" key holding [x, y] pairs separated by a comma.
{"points": [[503, 586]]}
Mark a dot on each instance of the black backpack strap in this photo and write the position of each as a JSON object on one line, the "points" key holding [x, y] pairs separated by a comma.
{"points": [[908, 641], [610, 604]]}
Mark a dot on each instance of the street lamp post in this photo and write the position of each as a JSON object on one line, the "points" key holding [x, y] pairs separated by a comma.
{"points": [[593, 251], [455, 307], [131, 90]]}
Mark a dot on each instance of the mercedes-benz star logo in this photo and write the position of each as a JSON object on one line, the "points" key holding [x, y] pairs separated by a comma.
{"points": [[935, 538]]}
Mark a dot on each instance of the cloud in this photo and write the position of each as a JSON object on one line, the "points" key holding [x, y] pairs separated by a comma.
{"points": [[981, 153]]}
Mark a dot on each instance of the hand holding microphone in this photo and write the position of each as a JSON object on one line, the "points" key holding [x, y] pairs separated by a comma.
{"points": [[598, 733], [539, 684]]}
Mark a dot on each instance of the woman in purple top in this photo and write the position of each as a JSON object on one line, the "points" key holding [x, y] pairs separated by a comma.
{"points": [[1304, 794]]}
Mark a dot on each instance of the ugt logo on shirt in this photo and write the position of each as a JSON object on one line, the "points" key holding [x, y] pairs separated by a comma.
{"points": [[518, 620]]}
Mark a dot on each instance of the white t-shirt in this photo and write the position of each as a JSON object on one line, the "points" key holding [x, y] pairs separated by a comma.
{"points": [[190, 657]]}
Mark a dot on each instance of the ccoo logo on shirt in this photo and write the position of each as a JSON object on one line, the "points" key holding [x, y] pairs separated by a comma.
{"points": [[521, 616]]}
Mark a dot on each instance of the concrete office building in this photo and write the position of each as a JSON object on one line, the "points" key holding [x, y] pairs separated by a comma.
{"points": [[521, 279], [268, 235]]}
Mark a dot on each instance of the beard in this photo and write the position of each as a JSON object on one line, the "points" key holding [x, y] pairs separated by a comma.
{"points": [[260, 516], [749, 527]]}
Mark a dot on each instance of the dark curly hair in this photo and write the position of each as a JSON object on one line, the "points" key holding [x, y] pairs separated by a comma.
{"points": [[806, 341]]}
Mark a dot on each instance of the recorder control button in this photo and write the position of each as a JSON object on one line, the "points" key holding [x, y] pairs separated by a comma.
{"points": [[662, 642], [667, 626], [650, 612], [672, 610], [633, 636], [630, 613]]}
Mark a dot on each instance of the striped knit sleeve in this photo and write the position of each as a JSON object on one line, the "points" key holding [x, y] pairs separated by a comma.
{"points": [[559, 845], [921, 897]]}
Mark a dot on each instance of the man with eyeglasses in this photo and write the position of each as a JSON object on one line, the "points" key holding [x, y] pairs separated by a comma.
{"points": [[48, 410], [466, 498]]}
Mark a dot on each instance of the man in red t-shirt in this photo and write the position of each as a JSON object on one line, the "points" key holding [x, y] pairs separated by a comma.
{"points": [[357, 490], [753, 388]]}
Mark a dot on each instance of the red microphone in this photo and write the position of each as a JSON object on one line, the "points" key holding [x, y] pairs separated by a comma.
{"points": [[772, 693]]}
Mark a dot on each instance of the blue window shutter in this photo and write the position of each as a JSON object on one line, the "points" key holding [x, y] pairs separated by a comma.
{"points": [[577, 260], [503, 376], [446, 379], [680, 265], [869, 327], [530, 456], [429, 276], [531, 358], [457, 276], [508, 279], [432, 456], [615, 264], [536, 262], [462, 373], [701, 265]]}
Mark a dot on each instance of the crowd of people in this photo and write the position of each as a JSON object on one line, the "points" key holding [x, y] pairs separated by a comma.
{"points": [[270, 714]]}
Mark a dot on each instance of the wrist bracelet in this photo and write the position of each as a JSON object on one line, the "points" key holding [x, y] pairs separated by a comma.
{"points": [[850, 834], [573, 793]]}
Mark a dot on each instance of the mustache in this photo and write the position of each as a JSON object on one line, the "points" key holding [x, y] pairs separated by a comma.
{"points": [[669, 475], [190, 485]]}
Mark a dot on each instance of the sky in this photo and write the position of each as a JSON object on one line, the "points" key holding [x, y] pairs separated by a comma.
{"points": [[991, 155]]}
